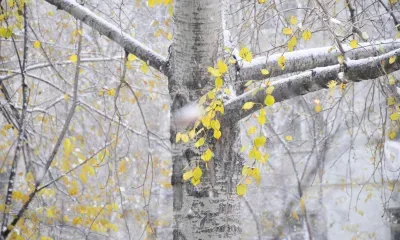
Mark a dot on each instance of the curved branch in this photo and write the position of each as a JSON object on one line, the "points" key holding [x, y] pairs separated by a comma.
{"points": [[131, 45], [311, 81], [306, 59]]}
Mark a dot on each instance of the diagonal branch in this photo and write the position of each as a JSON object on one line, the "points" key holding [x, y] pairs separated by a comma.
{"points": [[311, 81], [303, 60], [131, 45]]}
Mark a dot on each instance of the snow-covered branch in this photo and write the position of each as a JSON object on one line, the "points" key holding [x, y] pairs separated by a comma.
{"points": [[131, 45], [306, 59], [311, 81]]}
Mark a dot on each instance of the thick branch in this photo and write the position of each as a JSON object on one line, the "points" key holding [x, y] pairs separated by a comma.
{"points": [[311, 81], [302, 60], [131, 45]]}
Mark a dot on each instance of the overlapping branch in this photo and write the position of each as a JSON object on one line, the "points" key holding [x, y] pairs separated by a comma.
{"points": [[306, 59], [311, 81], [131, 45]]}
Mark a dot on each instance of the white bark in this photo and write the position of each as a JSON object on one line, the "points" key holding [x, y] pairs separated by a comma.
{"points": [[210, 210], [306, 59], [313, 80], [131, 45]]}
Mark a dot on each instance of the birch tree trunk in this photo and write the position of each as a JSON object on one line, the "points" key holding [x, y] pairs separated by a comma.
{"points": [[211, 209]]}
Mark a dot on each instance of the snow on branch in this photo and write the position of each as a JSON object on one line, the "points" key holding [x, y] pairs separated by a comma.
{"points": [[131, 45], [306, 59], [311, 81]]}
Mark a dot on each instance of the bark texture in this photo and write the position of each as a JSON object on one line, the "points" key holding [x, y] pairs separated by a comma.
{"points": [[211, 209]]}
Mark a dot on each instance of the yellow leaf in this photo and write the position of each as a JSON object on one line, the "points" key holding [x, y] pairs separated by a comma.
{"points": [[207, 155], [199, 142], [197, 173], [269, 100], [260, 141], [264, 72], [392, 80], [392, 59], [262, 1], [306, 35], [395, 116], [262, 119], [36, 44], [219, 82], [251, 130], [214, 72], [302, 205], [211, 95], [11, 3], [217, 134], [144, 68], [222, 67], [248, 105], [318, 108], [270, 89], [248, 83], [73, 58], [122, 167], [151, 3], [282, 62], [265, 158], [245, 170], [245, 54], [256, 175], [293, 20], [178, 137], [288, 138], [392, 135], [77, 221], [287, 31], [111, 92], [255, 153], [195, 181], [187, 175], [45, 238], [83, 177], [67, 146], [295, 215], [241, 189], [292, 43], [192, 134], [66, 97], [391, 101], [353, 43], [184, 137], [131, 57], [340, 59], [215, 124]]}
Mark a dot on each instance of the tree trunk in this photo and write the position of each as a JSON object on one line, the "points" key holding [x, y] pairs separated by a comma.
{"points": [[209, 210]]}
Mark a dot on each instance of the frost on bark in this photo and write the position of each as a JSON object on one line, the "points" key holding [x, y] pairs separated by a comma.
{"points": [[211, 209]]}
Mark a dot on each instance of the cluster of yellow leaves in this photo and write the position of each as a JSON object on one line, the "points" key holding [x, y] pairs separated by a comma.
{"points": [[11, 17], [213, 107], [194, 174], [248, 173], [394, 116], [110, 92], [258, 141], [5, 128], [293, 33], [246, 54], [153, 3]]}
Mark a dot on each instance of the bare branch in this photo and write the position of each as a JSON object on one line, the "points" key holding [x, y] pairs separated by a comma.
{"points": [[311, 81], [131, 45]]}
